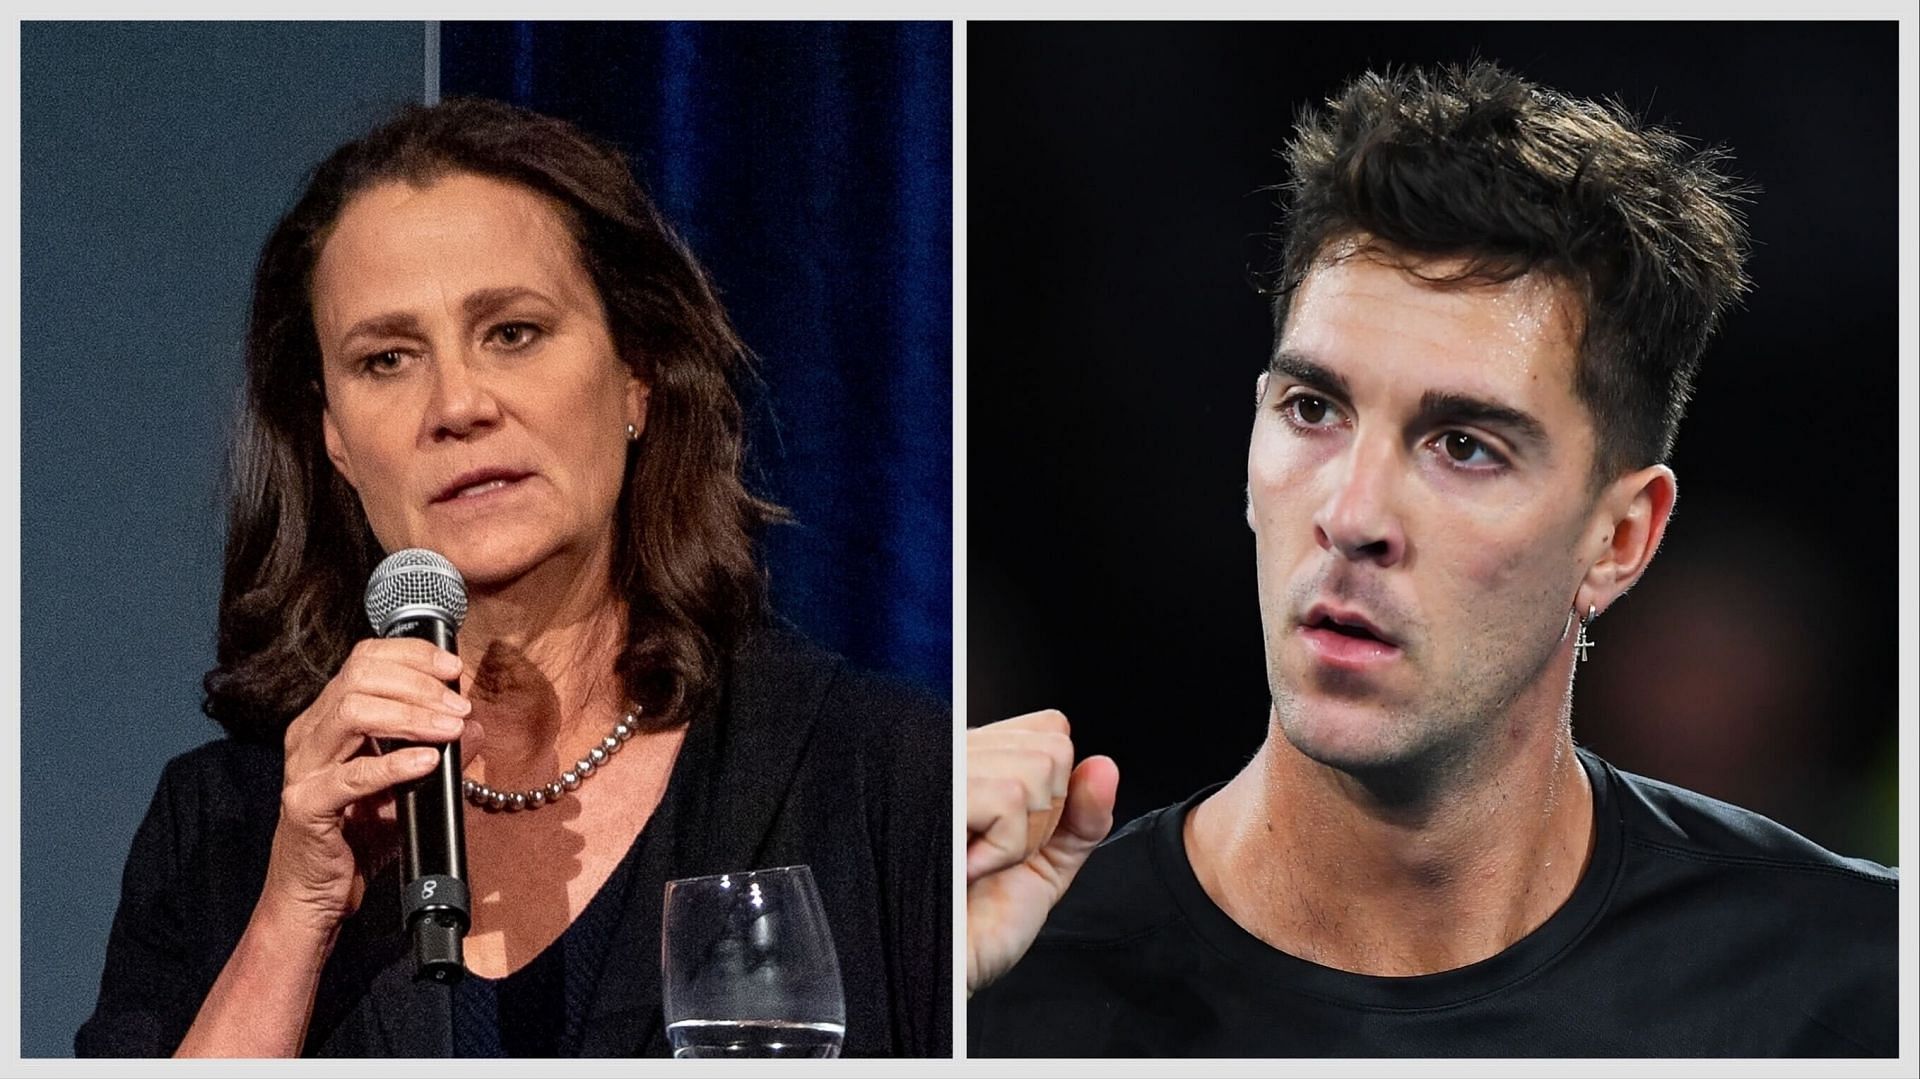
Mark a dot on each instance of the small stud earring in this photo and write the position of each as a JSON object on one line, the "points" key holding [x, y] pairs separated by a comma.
{"points": [[633, 433]]}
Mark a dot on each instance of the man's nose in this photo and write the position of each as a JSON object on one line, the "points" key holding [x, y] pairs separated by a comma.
{"points": [[1359, 519]]}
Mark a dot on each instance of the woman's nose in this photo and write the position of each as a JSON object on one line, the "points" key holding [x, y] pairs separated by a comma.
{"points": [[462, 400]]}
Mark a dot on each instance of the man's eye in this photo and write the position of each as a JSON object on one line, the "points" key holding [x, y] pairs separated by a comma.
{"points": [[383, 363], [1308, 410], [1462, 448]]}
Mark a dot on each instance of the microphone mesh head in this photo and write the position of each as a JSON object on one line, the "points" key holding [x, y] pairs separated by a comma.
{"points": [[414, 583]]}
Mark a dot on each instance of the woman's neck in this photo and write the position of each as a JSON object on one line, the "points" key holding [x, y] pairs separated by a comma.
{"points": [[539, 656]]}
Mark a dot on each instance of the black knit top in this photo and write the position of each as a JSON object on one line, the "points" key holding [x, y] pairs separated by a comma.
{"points": [[536, 1011], [799, 760]]}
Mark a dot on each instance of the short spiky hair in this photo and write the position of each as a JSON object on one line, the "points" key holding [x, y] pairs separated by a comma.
{"points": [[1475, 162]]}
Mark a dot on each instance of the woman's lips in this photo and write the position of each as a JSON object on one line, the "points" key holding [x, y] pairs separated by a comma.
{"points": [[481, 487], [479, 483]]}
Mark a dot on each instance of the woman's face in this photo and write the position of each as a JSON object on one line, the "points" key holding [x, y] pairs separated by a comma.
{"points": [[474, 398]]}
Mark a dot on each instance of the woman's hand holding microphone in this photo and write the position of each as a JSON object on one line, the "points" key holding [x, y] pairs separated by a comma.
{"points": [[335, 829]]}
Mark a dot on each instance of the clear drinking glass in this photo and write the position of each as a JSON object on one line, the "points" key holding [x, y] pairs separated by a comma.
{"points": [[748, 967]]}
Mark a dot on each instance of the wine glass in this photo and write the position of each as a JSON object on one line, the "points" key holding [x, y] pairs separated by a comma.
{"points": [[748, 968]]}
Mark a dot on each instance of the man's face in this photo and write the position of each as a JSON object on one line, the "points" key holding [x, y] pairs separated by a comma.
{"points": [[1417, 485]]}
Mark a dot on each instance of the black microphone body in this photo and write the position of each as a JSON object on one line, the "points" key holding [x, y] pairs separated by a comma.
{"points": [[435, 903], [418, 594]]}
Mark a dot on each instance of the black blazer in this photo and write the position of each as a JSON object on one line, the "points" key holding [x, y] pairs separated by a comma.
{"points": [[800, 761]]}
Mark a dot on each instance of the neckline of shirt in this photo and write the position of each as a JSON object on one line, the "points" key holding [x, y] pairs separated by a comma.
{"points": [[1511, 966]]}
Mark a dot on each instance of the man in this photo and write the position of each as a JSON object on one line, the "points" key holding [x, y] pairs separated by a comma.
{"points": [[1492, 304]]}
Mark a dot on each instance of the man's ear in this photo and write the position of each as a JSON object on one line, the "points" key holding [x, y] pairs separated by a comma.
{"points": [[336, 452], [1630, 518], [1259, 395]]}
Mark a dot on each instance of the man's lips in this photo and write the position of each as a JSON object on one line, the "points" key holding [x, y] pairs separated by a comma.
{"points": [[1346, 621], [479, 481], [1346, 638], [1336, 649]]}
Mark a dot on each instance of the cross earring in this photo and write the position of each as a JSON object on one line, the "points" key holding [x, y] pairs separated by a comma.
{"points": [[1583, 643]]}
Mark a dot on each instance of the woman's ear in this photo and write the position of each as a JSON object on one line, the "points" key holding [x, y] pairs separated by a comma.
{"points": [[638, 392]]}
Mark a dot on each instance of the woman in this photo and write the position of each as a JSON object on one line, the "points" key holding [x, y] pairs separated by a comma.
{"points": [[475, 335]]}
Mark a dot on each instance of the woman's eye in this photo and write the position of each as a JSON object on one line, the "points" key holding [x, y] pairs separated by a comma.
{"points": [[383, 363], [516, 334]]}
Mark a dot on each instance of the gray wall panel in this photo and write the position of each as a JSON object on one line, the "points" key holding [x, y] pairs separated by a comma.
{"points": [[154, 159]]}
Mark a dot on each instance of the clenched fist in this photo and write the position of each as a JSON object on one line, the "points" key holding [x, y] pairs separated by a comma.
{"points": [[1032, 819]]}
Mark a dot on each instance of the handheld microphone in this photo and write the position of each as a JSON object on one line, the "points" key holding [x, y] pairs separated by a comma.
{"points": [[417, 593]]}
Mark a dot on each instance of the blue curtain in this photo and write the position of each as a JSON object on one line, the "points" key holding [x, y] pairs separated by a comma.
{"points": [[809, 166]]}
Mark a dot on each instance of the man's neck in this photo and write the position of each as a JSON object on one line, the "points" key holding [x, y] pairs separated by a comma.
{"points": [[1307, 859]]}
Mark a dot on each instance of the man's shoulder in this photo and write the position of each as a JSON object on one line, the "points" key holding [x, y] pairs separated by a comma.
{"points": [[1712, 870], [1122, 892], [1671, 822], [1788, 928], [1113, 952]]}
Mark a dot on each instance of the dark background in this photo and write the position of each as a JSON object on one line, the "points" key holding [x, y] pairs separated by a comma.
{"points": [[808, 165], [1117, 216]]}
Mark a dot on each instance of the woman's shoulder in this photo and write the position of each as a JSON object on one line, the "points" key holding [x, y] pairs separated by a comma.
{"points": [[211, 819], [778, 672], [224, 774]]}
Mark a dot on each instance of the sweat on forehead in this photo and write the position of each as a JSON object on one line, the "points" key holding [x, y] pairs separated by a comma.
{"points": [[1497, 272], [1532, 301]]}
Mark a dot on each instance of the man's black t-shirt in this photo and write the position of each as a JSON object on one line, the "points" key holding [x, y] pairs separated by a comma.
{"points": [[1698, 929]]}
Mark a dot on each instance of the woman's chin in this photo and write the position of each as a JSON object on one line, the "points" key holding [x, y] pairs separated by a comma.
{"points": [[491, 566], [506, 552]]}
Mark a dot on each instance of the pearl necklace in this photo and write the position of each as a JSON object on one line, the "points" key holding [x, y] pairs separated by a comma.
{"points": [[494, 801]]}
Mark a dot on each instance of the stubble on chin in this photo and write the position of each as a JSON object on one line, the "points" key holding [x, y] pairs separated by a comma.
{"points": [[1401, 750]]}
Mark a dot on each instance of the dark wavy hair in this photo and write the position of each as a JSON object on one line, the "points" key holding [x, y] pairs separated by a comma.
{"points": [[299, 548], [1474, 162]]}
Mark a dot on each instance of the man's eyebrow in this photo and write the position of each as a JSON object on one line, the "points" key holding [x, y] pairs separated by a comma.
{"points": [[1297, 367], [1438, 407]]}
